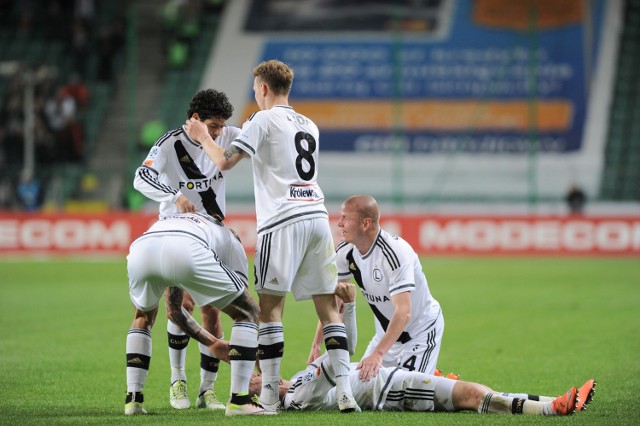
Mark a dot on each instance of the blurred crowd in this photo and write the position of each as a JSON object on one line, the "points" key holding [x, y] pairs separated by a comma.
{"points": [[84, 43], [61, 94]]}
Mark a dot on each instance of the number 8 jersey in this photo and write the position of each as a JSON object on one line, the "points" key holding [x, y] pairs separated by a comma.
{"points": [[284, 149]]}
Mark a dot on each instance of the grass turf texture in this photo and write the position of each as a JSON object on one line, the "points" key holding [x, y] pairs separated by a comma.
{"points": [[536, 325]]}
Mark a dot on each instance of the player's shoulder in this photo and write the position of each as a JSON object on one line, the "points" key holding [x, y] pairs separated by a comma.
{"points": [[165, 141], [258, 116], [231, 131], [228, 135], [343, 248], [393, 247], [391, 239]]}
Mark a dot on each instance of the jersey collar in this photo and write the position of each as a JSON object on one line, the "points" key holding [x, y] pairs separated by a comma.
{"points": [[191, 141], [375, 241]]}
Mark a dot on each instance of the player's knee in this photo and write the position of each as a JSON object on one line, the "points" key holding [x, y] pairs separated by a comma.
{"points": [[144, 319], [247, 312], [468, 395], [250, 314]]}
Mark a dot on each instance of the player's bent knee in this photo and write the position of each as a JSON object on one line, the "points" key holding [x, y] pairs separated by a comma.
{"points": [[243, 309]]}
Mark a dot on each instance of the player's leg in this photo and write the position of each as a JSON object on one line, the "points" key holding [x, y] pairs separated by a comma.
{"points": [[270, 348], [142, 262], [584, 396], [218, 285], [335, 342], [178, 342], [278, 255], [477, 397], [243, 349], [209, 364], [138, 348], [317, 276]]}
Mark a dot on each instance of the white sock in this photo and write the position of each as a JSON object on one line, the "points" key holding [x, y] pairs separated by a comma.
{"points": [[138, 350], [335, 341], [493, 403], [178, 342], [271, 350], [243, 347], [208, 368], [528, 396]]}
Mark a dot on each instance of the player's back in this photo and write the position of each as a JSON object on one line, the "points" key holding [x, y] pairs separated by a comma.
{"points": [[284, 146], [203, 228]]}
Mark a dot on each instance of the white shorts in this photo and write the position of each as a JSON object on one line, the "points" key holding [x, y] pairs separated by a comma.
{"points": [[299, 257], [159, 261], [400, 390], [418, 354]]}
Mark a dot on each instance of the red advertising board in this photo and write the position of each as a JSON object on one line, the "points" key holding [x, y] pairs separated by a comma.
{"points": [[74, 234]]}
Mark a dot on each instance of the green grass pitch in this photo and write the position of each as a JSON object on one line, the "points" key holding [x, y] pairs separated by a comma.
{"points": [[521, 324]]}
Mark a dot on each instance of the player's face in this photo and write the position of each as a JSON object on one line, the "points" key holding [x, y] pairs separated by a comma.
{"points": [[349, 223], [215, 126]]}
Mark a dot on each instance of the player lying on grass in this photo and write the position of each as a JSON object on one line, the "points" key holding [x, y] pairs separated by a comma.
{"points": [[394, 389]]}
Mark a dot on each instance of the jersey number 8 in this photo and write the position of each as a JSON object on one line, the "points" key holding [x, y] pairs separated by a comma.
{"points": [[306, 155]]}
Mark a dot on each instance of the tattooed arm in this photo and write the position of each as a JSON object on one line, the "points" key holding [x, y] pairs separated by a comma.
{"points": [[181, 317], [225, 159]]}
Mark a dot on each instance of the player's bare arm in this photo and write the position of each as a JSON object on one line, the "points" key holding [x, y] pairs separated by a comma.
{"points": [[181, 317], [224, 159], [370, 365], [231, 151]]}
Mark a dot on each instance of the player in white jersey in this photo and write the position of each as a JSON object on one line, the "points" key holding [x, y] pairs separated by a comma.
{"points": [[395, 389], [295, 250], [179, 175], [408, 319], [194, 253]]}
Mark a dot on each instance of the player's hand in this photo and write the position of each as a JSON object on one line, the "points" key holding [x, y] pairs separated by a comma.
{"points": [[369, 367], [346, 291], [196, 129], [220, 348], [184, 205]]}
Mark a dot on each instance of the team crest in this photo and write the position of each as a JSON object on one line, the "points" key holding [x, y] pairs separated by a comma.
{"points": [[377, 275]]}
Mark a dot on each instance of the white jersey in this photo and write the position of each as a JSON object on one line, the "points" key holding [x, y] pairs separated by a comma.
{"points": [[390, 267], [176, 165], [284, 147]]}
